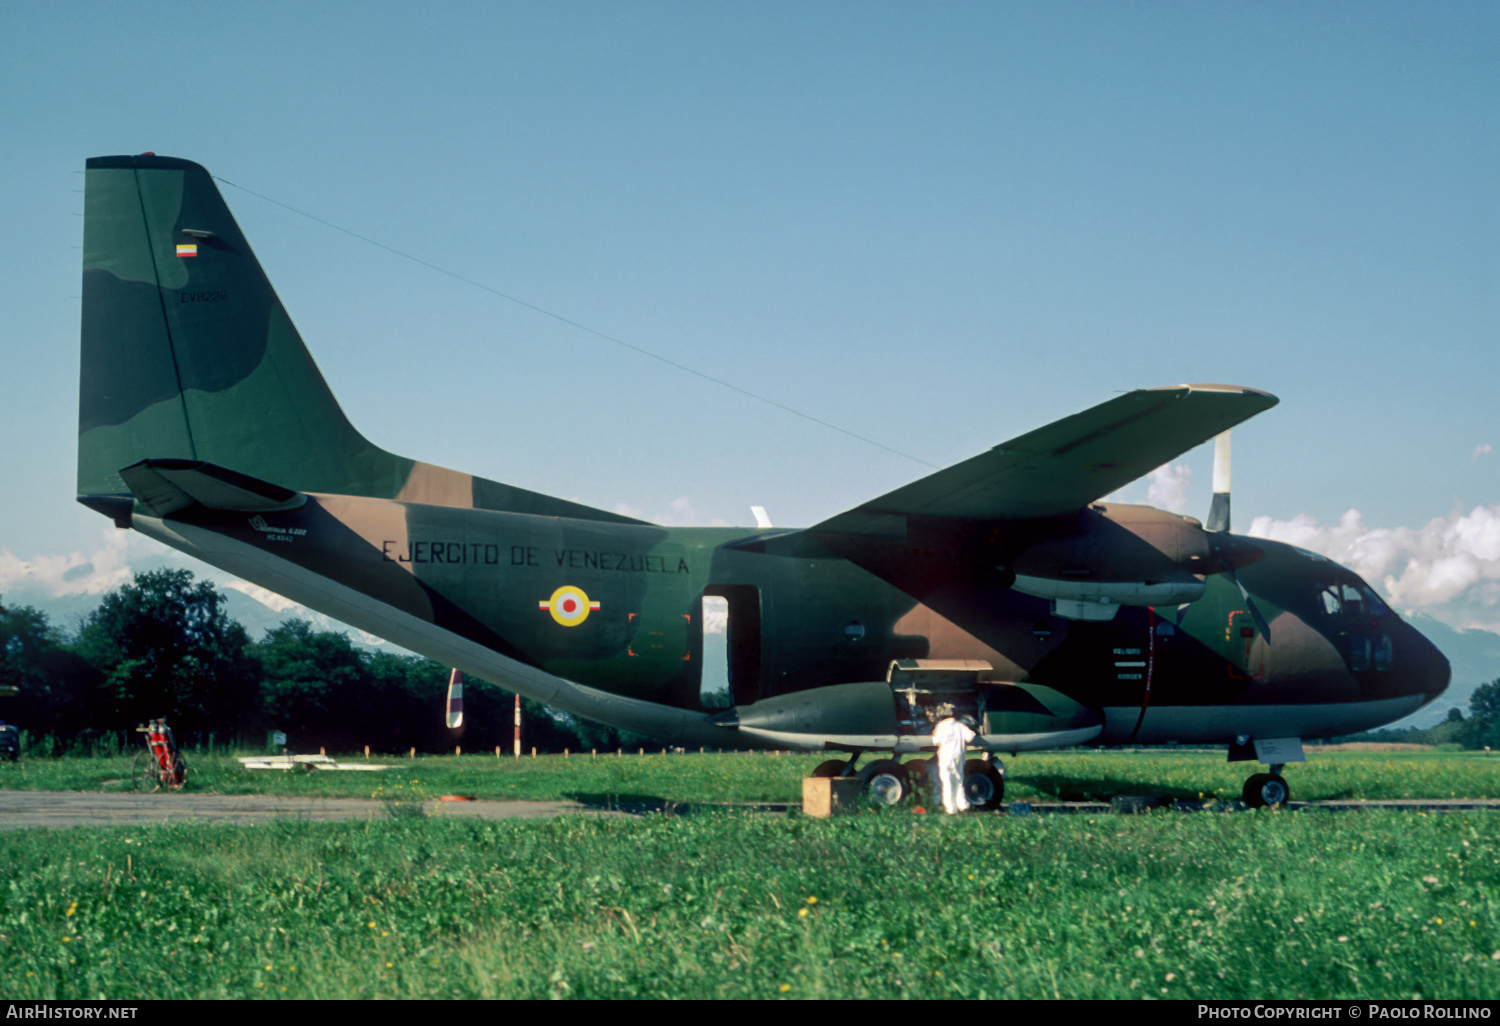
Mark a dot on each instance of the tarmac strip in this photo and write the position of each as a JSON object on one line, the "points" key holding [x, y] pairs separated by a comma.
{"points": [[20, 809], [57, 809]]}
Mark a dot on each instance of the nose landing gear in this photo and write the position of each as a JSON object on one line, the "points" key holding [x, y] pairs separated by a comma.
{"points": [[1267, 790]]}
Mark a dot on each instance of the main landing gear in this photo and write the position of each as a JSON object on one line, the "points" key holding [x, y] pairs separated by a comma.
{"points": [[984, 784], [1267, 790], [886, 781], [890, 782]]}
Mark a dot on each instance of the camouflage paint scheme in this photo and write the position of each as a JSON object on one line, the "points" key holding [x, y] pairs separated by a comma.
{"points": [[204, 422]]}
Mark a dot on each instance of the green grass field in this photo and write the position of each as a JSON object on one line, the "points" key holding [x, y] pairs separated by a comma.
{"points": [[735, 904], [732, 904], [1044, 776]]}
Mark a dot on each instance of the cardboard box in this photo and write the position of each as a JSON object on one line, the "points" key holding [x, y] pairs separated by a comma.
{"points": [[829, 796]]}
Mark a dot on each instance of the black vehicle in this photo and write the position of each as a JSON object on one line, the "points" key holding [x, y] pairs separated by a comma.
{"points": [[10, 742]]}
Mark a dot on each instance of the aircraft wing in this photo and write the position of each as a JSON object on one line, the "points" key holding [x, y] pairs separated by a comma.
{"points": [[1064, 466]]}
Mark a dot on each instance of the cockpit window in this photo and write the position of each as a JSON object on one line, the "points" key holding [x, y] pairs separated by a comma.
{"points": [[1332, 603], [1352, 600]]}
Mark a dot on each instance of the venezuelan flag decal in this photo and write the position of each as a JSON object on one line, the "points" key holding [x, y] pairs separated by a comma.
{"points": [[187, 249], [569, 605]]}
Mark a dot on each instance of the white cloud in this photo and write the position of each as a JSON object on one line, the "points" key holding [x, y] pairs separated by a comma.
{"points": [[1448, 568], [1169, 485], [115, 560], [1479, 450], [715, 615], [109, 564]]}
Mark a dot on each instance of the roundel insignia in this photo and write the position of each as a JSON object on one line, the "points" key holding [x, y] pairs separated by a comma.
{"points": [[568, 605]]}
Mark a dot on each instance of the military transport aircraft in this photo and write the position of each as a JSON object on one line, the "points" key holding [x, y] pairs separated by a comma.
{"points": [[1002, 586]]}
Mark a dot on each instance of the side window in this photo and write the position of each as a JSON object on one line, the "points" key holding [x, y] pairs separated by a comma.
{"points": [[1385, 655], [1359, 653]]}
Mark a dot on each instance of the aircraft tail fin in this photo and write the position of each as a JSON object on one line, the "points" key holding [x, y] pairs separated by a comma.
{"points": [[188, 354]]}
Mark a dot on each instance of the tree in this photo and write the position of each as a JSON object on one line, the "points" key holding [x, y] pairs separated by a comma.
{"points": [[165, 646], [1484, 715], [51, 681], [313, 682], [1484, 703]]}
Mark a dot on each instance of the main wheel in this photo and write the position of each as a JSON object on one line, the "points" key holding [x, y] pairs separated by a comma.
{"points": [[984, 785], [145, 773], [831, 768], [886, 782], [1266, 790]]}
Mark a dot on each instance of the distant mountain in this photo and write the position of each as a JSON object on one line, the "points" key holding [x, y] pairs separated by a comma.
{"points": [[1474, 655], [259, 618]]}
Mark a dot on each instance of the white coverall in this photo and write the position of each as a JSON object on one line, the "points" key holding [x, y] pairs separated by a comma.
{"points": [[952, 739]]}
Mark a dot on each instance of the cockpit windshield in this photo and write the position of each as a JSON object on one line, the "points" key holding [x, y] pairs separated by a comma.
{"points": [[1346, 598]]}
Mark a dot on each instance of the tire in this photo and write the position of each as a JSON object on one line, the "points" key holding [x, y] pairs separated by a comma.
{"points": [[984, 785], [1266, 790], [145, 773], [182, 775], [831, 768], [885, 783]]}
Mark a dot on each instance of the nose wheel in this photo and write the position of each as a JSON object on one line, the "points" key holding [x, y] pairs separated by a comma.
{"points": [[1266, 791]]}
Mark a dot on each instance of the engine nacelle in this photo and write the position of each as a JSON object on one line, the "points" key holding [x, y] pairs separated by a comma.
{"points": [[1124, 555], [1097, 600], [897, 715]]}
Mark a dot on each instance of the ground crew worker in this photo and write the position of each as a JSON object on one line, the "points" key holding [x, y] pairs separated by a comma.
{"points": [[952, 737]]}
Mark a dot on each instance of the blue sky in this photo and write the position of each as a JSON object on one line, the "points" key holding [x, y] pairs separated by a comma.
{"points": [[936, 226]]}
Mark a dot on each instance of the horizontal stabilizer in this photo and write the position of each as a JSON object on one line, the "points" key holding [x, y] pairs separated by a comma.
{"points": [[166, 486], [1062, 467]]}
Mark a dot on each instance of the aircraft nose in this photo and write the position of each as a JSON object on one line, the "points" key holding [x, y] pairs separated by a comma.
{"points": [[1430, 672]]}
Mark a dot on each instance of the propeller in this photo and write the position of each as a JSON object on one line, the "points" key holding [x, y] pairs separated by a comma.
{"points": [[1218, 509], [1231, 552], [455, 710]]}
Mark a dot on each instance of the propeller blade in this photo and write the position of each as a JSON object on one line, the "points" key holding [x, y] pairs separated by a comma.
{"points": [[1255, 613], [1218, 510], [455, 711]]}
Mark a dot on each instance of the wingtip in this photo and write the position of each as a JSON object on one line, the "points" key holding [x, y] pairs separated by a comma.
{"points": [[142, 162], [1237, 389], [1208, 386]]}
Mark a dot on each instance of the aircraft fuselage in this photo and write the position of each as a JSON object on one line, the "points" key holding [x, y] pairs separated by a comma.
{"points": [[619, 608]]}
